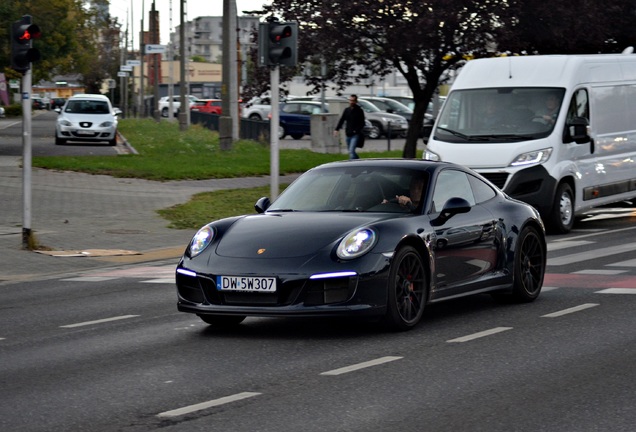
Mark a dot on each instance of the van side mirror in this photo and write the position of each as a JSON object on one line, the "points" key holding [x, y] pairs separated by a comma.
{"points": [[578, 130]]}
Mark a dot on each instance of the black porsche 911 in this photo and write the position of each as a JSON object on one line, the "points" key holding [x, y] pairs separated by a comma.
{"points": [[368, 238]]}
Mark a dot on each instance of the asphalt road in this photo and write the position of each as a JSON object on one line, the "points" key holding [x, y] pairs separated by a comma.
{"points": [[106, 350]]}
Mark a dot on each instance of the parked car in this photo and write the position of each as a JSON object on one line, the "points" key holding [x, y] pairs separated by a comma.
{"points": [[164, 104], [57, 102], [383, 122], [257, 109], [37, 103], [210, 106], [295, 118], [1, 112], [337, 242], [393, 106], [86, 117]]}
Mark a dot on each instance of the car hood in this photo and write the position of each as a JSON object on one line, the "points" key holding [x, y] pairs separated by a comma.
{"points": [[288, 235]]}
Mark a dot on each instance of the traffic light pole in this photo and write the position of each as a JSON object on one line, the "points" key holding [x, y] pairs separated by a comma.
{"points": [[274, 76], [26, 159]]}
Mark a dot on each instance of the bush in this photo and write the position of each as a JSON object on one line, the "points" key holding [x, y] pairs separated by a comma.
{"points": [[14, 110]]}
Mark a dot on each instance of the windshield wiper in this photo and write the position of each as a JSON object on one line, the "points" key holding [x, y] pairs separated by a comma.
{"points": [[461, 135], [508, 136]]}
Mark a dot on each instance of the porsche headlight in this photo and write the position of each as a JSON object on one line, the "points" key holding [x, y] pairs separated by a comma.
{"points": [[356, 243], [201, 240]]}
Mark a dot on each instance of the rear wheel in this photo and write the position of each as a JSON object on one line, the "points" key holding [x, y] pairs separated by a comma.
{"points": [[254, 117], [281, 132], [529, 268], [408, 288], [164, 112], [297, 136], [561, 220], [222, 320]]}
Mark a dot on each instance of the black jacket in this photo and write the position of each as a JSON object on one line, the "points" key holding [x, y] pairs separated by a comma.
{"points": [[354, 117]]}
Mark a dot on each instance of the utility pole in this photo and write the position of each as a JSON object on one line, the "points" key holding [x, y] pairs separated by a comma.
{"points": [[183, 115], [228, 122]]}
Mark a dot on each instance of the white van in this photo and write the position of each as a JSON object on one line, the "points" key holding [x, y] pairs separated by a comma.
{"points": [[558, 132]]}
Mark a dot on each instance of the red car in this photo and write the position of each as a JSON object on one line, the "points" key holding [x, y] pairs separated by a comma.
{"points": [[210, 106]]}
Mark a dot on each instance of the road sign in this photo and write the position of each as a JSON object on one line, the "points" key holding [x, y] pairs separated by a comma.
{"points": [[133, 62], [125, 68], [122, 74], [155, 49]]}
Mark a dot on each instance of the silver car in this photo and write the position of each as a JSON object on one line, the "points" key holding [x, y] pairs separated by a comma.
{"points": [[86, 117], [383, 123]]}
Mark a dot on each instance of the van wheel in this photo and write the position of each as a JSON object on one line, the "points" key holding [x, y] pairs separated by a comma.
{"points": [[561, 220]]}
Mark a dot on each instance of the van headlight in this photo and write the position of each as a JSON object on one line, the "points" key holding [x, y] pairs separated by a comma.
{"points": [[532, 158], [429, 155]]}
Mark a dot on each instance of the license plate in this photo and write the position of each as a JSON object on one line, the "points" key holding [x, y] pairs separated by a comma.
{"points": [[82, 132], [246, 283]]}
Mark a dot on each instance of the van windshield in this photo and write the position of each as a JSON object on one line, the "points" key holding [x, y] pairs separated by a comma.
{"points": [[503, 115]]}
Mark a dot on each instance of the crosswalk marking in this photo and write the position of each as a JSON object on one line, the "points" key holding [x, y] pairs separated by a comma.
{"points": [[590, 255]]}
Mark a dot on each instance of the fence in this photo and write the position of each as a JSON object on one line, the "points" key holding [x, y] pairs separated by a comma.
{"points": [[257, 130]]}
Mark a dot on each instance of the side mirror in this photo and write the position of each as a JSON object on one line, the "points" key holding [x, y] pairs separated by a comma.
{"points": [[578, 130], [117, 111], [452, 207], [262, 204], [58, 110]]}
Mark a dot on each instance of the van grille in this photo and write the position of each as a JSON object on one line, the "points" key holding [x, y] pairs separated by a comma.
{"points": [[498, 179]]}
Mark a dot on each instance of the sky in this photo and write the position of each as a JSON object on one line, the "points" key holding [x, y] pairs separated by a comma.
{"points": [[123, 9]]}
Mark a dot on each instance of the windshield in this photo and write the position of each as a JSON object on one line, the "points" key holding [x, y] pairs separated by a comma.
{"points": [[499, 114], [359, 189], [368, 106], [86, 107]]}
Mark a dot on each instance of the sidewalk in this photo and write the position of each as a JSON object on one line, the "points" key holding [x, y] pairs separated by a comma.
{"points": [[99, 221]]}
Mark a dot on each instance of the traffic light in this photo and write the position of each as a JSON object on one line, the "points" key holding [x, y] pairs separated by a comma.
{"points": [[22, 52], [277, 44]]}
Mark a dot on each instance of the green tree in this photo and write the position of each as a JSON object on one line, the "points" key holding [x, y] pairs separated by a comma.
{"points": [[75, 39], [423, 40]]}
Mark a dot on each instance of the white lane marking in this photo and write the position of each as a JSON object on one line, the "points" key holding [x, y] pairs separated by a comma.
{"points": [[570, 310], [2, 338], [362, 365], [481, 334], [600, 272], [547, 288], [171, 280], [566, 244], [593, 254], [209, 404], [99, 321], [628, 263], [617, 291], [89, 279]]}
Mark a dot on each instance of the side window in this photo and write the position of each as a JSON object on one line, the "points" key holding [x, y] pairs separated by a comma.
{"points": [[579, 105], [481, 190], [450, 184]]}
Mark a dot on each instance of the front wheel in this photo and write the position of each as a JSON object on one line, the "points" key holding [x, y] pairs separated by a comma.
{"points": [[375, 131], [297, 136], [561, 220], [164, 112], [407, 290], [222, 320], [281, 132], [59, 141]]}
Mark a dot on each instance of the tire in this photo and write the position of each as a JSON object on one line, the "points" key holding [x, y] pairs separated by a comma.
{"points": [[113, 142], [164, 112], [255, 117], [297, 136], [59, 141], [561, 220], [407, 290], [282, 133], [375, 131], [224, 321], [529, 268]]}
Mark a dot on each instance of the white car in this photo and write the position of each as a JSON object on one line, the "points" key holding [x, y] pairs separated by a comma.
{"points": [[164, 104], [1, 112], [86, 117], [257, 109]]}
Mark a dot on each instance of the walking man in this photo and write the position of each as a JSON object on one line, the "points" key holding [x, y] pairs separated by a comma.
{"points": [[353, 116]]}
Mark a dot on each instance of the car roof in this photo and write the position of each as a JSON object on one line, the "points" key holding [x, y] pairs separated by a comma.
{"points": [[90, 96]]}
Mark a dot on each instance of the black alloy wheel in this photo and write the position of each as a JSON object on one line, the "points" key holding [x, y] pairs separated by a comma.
{"points": [[408, 290]]}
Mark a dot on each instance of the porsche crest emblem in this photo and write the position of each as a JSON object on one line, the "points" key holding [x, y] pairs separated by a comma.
{"points": [[260, 251]]}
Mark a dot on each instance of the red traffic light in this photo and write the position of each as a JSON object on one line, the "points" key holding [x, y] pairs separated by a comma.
{"points": [[279, 32], [27, 32]]}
